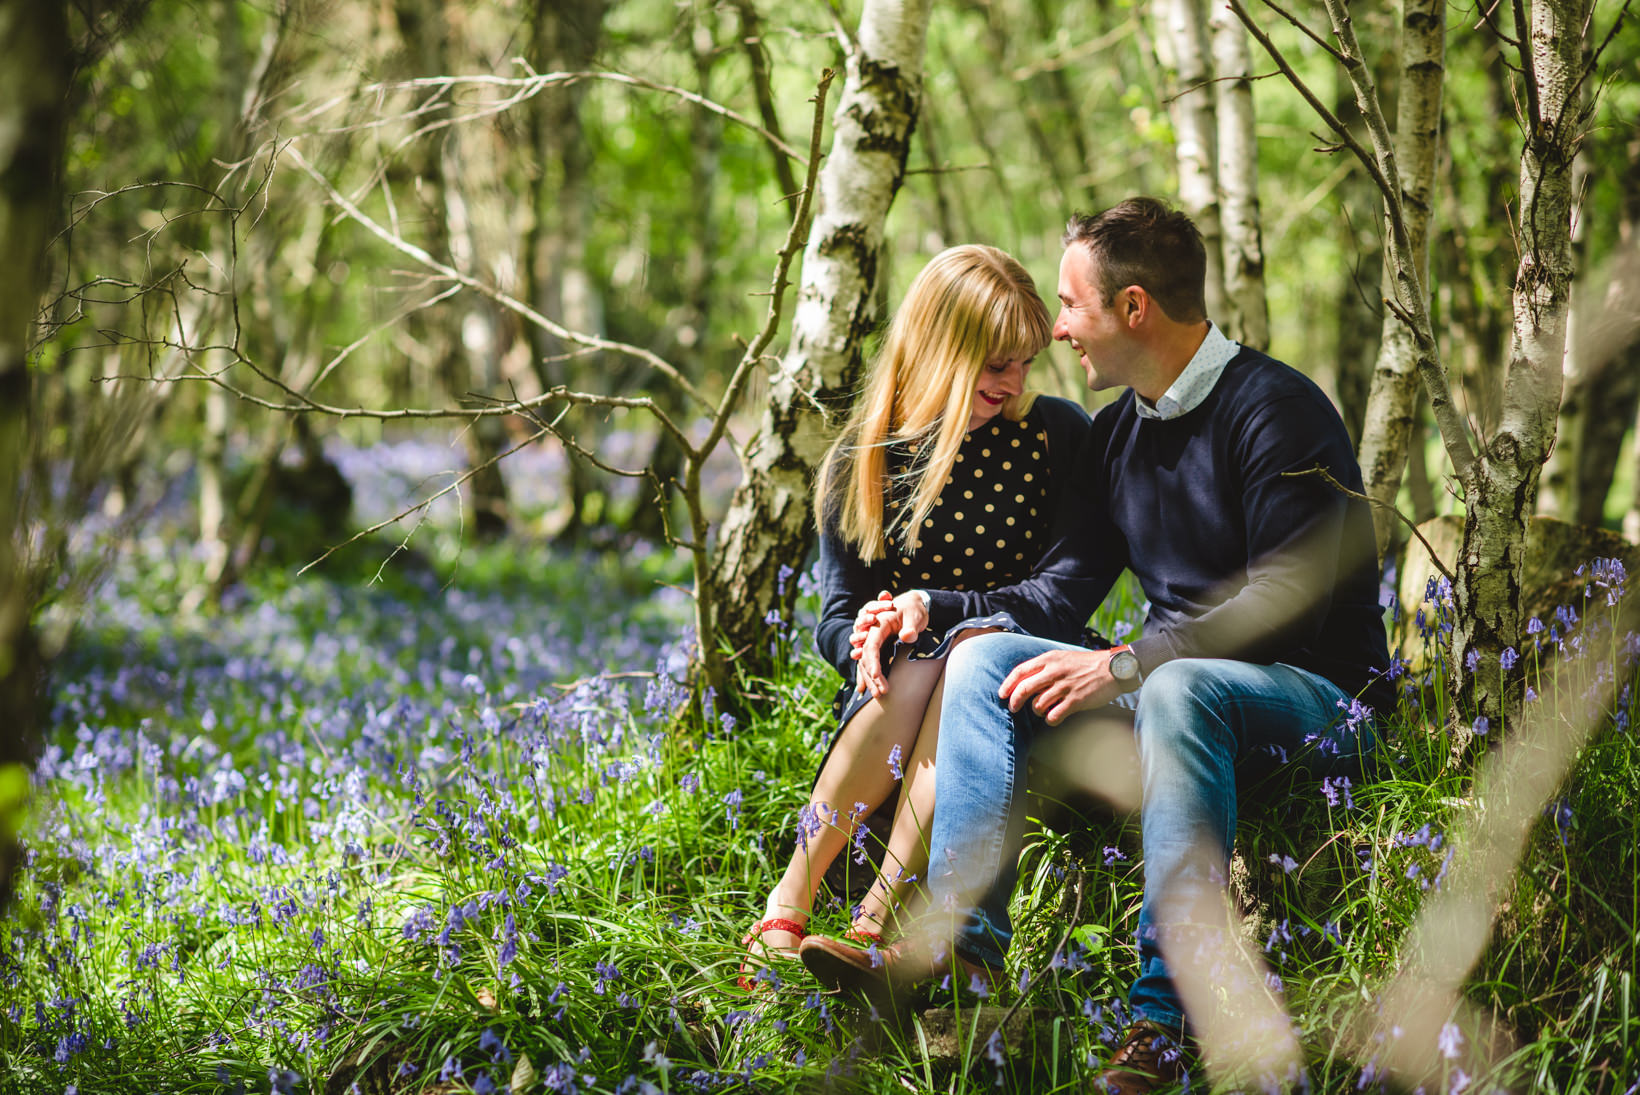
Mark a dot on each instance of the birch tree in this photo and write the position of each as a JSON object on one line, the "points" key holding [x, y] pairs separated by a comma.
{"points": [[1602, 383], [1497, 475], [1192, 105], [1392, 400], [770, 522], [1246, 317]]}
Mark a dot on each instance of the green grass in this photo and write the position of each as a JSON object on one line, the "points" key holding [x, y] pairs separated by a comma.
{"points": [[340, 824]]}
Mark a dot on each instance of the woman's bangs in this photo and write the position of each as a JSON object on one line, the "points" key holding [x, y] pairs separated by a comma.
{"points": [[1021, 330]]}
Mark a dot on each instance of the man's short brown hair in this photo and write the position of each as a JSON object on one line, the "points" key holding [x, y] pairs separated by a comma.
{"points": [[1148, 243]]}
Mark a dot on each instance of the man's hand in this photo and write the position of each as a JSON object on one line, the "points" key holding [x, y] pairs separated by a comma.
{"points": [[1060, 683], [876, 622]]}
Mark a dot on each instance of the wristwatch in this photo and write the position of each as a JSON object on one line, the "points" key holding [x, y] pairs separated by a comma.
{"points": [[1124, 666]]}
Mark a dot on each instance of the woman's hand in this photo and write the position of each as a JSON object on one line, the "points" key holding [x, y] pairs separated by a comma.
{"points": [[905, 616]]}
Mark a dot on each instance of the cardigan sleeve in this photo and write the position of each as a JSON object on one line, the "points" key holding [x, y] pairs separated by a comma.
{"points": [[847, 582]]}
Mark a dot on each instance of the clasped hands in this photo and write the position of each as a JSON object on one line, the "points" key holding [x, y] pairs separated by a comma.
{"points": [[1056, 683]]}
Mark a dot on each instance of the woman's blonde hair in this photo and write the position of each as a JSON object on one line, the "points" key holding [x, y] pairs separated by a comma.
{"points": [[970, 305]]}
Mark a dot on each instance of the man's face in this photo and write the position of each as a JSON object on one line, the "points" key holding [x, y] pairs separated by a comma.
{"points": [[1095, 331]]}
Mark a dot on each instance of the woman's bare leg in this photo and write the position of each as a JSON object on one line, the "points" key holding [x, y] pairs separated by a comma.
{"points": [[906, 859], [856, 772], [905, 862]]}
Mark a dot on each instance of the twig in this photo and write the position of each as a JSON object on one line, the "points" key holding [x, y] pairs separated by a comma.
{"points": [[522, 89], [751, 40], [425, 502], [403, 246], [1328, 477]]}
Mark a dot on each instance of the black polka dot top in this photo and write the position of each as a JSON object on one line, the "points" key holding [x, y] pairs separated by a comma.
{"points": [[990, 524]]}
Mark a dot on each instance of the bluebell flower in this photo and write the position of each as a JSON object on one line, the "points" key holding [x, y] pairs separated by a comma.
{"points": [[1508, 659], [1336, 789], [1113, 855], [1450, 1041], [509, 942], [861, 853], [993, 1050], [1481, 725], [782, 576], [894, 762], [731, 803], [1473, 659], [1286, 862], [1534, 626]]}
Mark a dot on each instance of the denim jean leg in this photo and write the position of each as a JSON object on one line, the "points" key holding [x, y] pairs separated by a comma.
{"points": [[979, 791], [1197, 721]]}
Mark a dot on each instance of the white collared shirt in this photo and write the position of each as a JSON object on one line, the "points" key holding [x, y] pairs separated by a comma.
{"points": [[1196, 382]]}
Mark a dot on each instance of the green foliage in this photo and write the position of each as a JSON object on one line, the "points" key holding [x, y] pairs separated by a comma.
{"points": [[349, 830]]}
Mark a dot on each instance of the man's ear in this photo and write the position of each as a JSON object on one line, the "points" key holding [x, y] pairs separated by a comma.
{"points": [[1135, 305]]}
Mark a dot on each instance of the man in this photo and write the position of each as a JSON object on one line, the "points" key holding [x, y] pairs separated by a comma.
{"points": [[1203, 478]]}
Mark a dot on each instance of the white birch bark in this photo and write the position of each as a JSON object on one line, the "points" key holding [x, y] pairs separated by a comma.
{"points": [[1392, 401], [1500, 492], [1246, 317], [1192, 107], [770, 520]]}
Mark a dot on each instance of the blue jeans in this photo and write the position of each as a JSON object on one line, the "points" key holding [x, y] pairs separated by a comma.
{"points": [[1199, 722]]}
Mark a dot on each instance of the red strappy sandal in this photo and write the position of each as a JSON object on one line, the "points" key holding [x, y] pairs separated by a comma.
{"points": [[773, 923]]}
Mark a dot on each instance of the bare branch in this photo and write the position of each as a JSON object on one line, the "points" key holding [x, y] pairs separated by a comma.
{"points": [[403, 246], [796, 239], [1523, 46], [1327, 476], [751, 40], [425, 502], [521, 89]]}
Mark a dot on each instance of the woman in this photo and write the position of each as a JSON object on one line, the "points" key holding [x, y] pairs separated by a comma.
{"points": [[946, 476]]}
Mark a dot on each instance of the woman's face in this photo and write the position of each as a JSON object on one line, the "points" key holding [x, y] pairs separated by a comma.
{"points": [[999, 380]]}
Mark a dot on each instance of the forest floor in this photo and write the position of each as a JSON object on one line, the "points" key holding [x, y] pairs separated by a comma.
{"points": [[459, 829]]}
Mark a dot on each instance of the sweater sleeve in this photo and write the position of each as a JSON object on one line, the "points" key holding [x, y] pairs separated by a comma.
{"points": [[846, 583], [1083, 557], [1294, 521]]}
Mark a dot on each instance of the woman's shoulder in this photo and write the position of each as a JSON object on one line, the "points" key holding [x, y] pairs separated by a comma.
{"points": [[1059, 415], [1052, 407]]}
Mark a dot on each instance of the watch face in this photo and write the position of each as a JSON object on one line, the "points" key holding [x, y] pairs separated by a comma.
{"points": [[1124, 665]]}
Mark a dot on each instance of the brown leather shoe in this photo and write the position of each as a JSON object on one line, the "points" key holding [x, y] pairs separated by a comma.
{"points": [[887, 972], [1147, 1060]]}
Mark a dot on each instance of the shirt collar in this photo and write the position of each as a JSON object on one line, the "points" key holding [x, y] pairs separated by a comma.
{"points": [[1196, 382]]}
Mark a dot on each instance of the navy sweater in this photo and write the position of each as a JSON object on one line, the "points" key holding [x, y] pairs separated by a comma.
{"points": [[1238, 557]]}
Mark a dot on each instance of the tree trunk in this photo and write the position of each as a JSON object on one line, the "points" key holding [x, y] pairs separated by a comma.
{"points": [[1360, 308], [34, 78], [1500, 490], [770, 522], [1479, 336], [1246, 317], [1602, 382], [1392, 403], [566, 38], [1192, 108]]}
